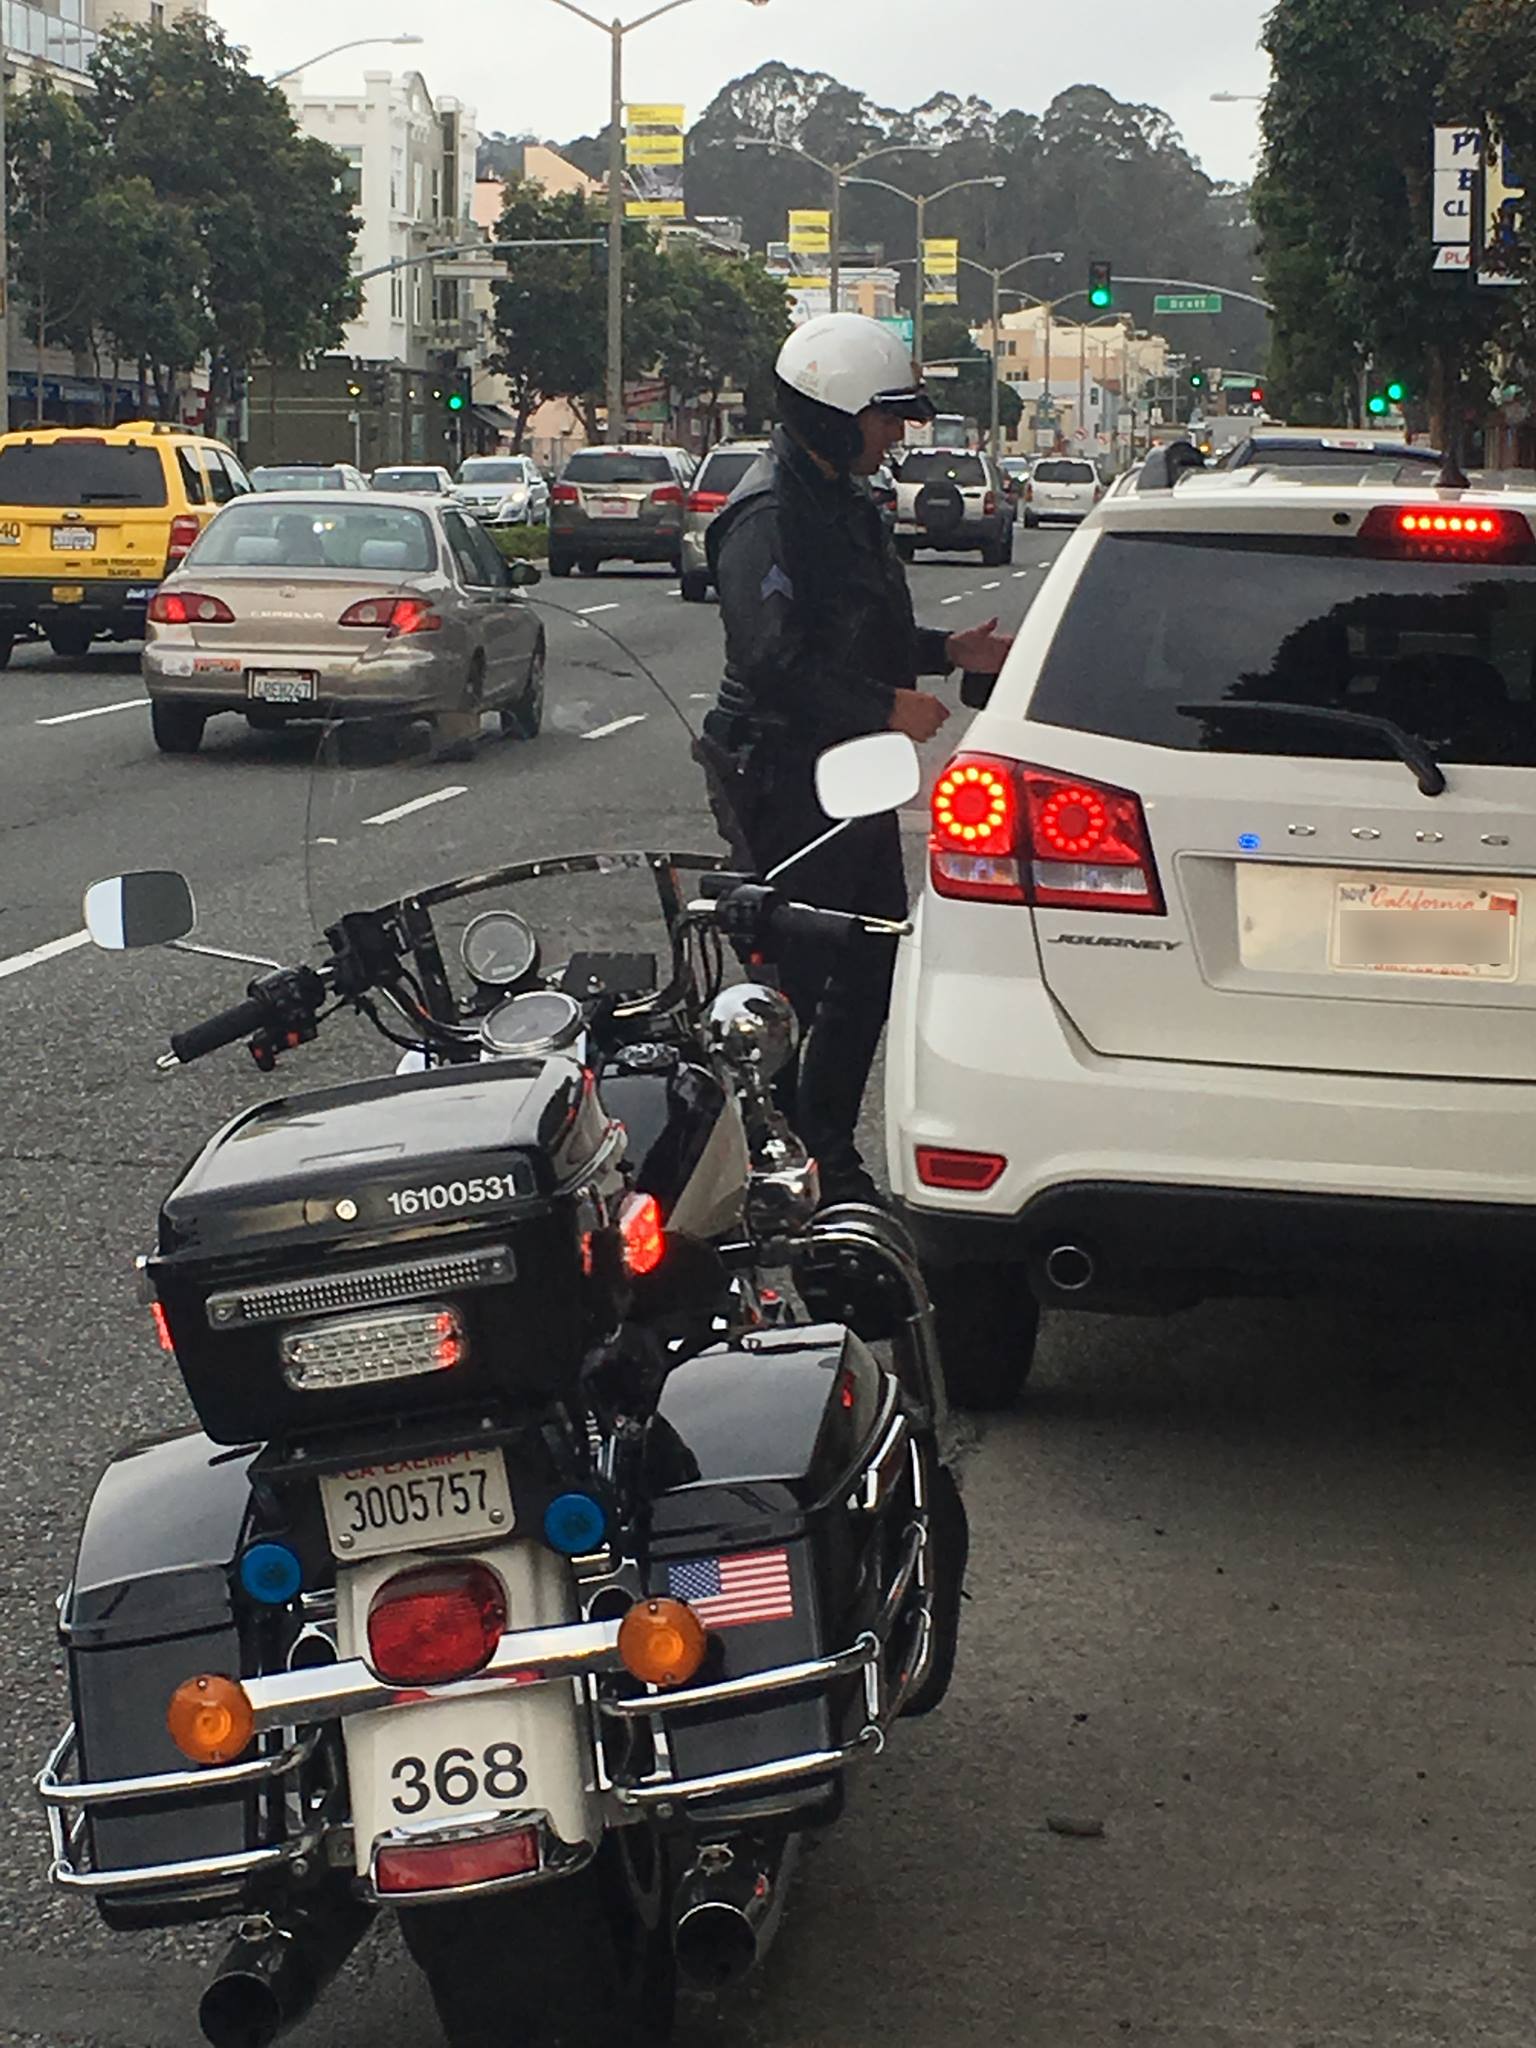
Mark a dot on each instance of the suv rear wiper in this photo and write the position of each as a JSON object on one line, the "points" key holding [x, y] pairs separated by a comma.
{"points": [[109, 497], [1408, 747]]}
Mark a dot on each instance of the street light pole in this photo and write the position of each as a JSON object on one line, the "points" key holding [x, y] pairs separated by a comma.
{"points": [[838, 173], [922, 201], [357, 43]]}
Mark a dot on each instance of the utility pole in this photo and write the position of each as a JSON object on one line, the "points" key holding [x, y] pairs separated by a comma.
{"points": [[5, 268], [616, 240]]}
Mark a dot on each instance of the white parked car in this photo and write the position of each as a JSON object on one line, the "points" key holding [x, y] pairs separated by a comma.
{"points": [[1061, 487], [502, 490], [1224, 979]]}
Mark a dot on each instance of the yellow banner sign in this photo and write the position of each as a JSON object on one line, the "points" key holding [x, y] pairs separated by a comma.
{"points": [[653, 153], [941, 273], [810, 234]]}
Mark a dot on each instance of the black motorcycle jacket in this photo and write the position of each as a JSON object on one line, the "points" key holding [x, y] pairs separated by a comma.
{"points": [[819, 632]]}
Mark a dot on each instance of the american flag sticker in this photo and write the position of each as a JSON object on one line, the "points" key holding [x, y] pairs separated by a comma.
{"points": [[732, 1592]]}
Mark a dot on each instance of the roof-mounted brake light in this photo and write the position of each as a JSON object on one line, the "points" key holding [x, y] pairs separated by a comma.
{"points": [[1457, 532]]}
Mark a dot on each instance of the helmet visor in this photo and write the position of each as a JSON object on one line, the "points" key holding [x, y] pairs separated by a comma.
{"points": [[911, 404]]}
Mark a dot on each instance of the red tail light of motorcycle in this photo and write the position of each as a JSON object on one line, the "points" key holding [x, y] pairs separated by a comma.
{"points": [[189, 608], [457, 1865], [436, 1623], [396, 615], [362, 1351], [644, 1234], [1005, 832]]}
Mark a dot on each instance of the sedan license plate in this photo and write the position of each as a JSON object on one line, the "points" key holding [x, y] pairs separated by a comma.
{"points": [[283, 686], [618, 508], [1465, 934], [74, 539], [462, 1497]]}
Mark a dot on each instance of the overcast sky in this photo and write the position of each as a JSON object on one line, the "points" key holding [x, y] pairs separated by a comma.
{"points": [[525, 64]]}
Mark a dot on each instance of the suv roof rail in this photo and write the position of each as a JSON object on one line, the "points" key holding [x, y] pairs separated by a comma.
{"points": [[1164, 466]]}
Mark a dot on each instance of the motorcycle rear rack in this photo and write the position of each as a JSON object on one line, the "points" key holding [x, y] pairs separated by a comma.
{"points": [[300, 1705]]}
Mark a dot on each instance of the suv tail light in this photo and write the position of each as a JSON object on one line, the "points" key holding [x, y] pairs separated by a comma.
{"points": [[396, 614], [989, 505], [667, 494], [1448, 531], [184, 530], [189, 608], [1005, 832], [565, 494], [707, 501], [436, 1623]]}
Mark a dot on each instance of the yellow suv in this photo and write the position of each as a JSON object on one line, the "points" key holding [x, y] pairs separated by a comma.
{"points": [[91, 518]]}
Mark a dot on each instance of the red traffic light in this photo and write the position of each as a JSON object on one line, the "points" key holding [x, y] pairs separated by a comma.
{"points": [[1256, 395]]}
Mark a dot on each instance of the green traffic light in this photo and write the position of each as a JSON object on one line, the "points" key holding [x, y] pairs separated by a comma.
{"points": [[1377, 404], [1397, 392], [1101, 296], [456, 401]]}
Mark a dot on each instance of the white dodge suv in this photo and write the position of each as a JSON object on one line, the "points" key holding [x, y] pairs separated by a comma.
{"points": [[1224, 979]]}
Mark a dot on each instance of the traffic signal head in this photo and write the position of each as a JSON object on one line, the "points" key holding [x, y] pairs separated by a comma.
{"points": [[1101, 285], [455, 401], [354, 389], [1397, 391], [1197, 377], [1256, 395], [1377, 404]]}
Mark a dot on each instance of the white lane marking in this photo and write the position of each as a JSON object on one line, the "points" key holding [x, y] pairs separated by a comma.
{"points": [[959, 597], [417, 803], [1019, 573], [700, 697], [992, 586], [600, 732], [587, 610], [19, 962], [674, 593], [96, 711]]}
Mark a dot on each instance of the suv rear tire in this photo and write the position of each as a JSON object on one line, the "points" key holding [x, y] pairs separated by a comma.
{"points": [[560, 563], [694, 584], [906, 547], [177, 727], [988, 1323]]}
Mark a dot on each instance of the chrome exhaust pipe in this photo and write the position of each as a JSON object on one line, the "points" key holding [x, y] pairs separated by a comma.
{"points": [[1070, 1268], [729, 1907], [276, 1968]]}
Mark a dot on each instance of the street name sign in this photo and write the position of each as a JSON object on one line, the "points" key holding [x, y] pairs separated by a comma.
{"points": [[1187, 302]]}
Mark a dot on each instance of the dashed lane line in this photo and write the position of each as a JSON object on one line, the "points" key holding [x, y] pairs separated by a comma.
{"points": [[20, 962], [417, 803], [587, 611], [601, 732], [96, 711]]}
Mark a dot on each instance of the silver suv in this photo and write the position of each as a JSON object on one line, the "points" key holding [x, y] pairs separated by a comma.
{"points": [[618, 503], [723, 469], [954, 500]]}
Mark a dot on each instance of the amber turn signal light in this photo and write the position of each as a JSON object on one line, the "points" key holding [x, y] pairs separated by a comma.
{"points": [[662, 1642], [210, 1719]]}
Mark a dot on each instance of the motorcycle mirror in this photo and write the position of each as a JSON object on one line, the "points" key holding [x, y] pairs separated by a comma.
{"points": [[151, 908], [862, 777], [522, 574]]}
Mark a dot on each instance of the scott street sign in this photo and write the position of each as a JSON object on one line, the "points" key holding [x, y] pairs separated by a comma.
{"points": [[1187, 302]]}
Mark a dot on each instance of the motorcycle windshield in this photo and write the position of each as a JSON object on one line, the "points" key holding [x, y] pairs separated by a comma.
{"points": [[602, 765]]}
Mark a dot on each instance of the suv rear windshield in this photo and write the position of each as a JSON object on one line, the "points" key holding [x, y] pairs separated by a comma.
{"points": [[1445, 649], [488, 470], [1063, 473], [724, 472], [261, 534], [266, 479], [426, 480], [939, 465], [597, 468], [81, 473]]}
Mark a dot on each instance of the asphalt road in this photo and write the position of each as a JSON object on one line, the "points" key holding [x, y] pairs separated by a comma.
{"points": [[1251, 1586]]}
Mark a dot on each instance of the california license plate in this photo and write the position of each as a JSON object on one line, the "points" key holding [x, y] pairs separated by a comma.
{"points": [[461, 1497], [283, 686], [74, 539], [617, 508], [1466, 934]]}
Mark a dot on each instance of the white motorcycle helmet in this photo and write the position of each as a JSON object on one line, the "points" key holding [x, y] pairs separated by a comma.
{"points": [[830, 369]]}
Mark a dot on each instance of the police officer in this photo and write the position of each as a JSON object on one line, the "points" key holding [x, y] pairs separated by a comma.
{"points": [[821, 646]]}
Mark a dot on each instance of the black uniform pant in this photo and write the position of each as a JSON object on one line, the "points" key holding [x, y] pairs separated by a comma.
{"points": [[840, 993]]}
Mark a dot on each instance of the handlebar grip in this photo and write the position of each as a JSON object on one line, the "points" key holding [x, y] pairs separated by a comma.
{"points": [[804, 921], [239, 1021]]}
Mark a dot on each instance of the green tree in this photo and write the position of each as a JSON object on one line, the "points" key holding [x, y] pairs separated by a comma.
{"points": [[947, 338], [725, 322]]}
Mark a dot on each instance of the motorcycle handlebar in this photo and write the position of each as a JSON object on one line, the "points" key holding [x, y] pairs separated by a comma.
{"points": [[238, 1021]]}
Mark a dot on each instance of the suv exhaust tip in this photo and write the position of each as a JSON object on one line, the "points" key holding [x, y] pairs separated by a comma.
{"points": [[1070, 1268]]}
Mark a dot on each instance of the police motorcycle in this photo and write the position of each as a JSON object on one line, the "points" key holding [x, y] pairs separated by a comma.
{"points": [[571, 1505]]}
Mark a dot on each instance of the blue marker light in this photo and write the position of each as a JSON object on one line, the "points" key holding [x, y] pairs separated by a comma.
{"points": [[271, 1573], [1250, 842], [574, 1524]]}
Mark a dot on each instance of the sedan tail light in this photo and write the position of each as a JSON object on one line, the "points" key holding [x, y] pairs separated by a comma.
{"points": [[667, 494], [565, 494], [184, 530], [1005, 832], [396, 615], [189, 608], [436, 1623], [707, 501]]}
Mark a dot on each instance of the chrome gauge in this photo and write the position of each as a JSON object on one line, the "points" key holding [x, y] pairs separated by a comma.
{"points": [[499, 949], [542, 1020]]}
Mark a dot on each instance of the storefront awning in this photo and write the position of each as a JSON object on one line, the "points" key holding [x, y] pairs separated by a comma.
{"points": [[496, 416]]}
